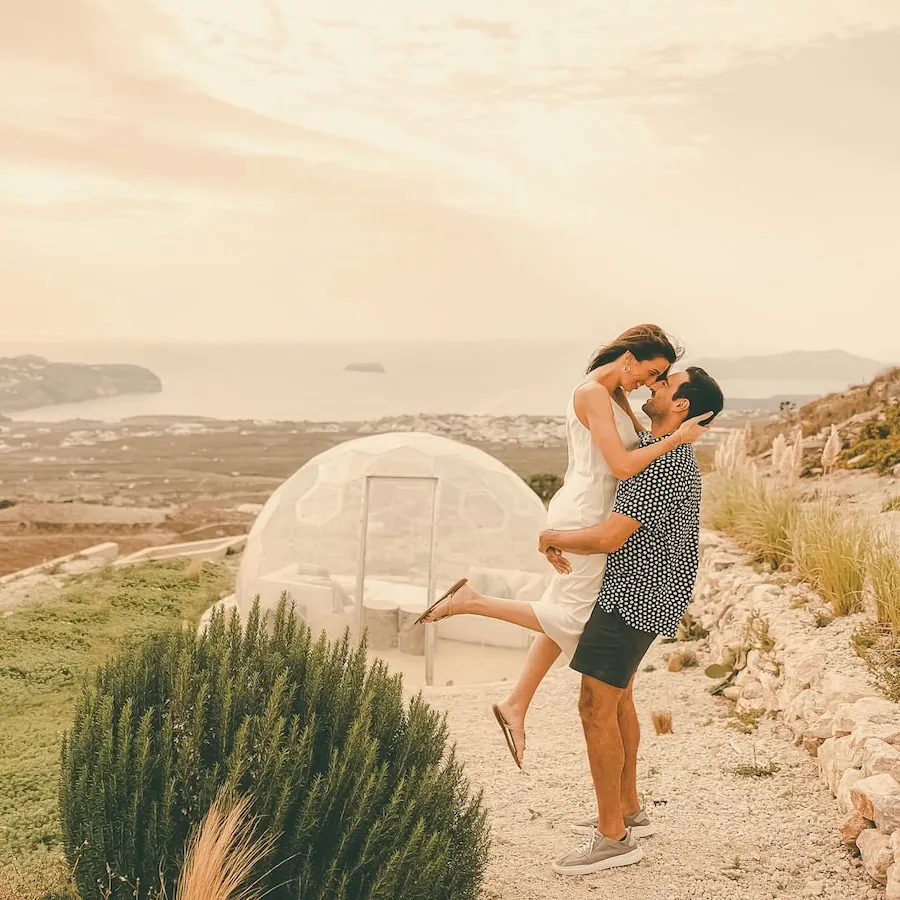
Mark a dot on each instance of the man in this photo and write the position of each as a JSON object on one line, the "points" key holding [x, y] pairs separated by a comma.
{"points": [[652, 539]]}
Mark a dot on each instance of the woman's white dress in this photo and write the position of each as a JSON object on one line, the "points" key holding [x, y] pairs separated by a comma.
{"points": [[586, 498]]}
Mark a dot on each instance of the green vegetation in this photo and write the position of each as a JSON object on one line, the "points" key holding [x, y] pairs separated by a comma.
{"points": [[45, 652], [359, 788], [690, 629], [545, 485], [746, 721], [879, 648], [755, 770], [878, 443]]}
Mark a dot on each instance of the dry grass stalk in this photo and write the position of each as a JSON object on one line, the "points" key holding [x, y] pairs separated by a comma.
{"points": [[832, 452], [194, 570], [797, 458], [681, 659], [731, 454], [747, 440], [662, 722], [779, 451], [223, 854]]}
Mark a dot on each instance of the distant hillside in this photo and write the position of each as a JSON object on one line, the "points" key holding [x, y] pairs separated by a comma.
{"points": [[29, 382], [862, 413], [797, 365]]}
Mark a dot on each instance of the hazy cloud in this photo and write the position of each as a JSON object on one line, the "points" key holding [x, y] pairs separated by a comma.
{"points": [[452, 168]]}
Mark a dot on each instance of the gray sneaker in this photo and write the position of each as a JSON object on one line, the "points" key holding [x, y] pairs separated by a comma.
{"points": [[639, 825], [598, 853]]}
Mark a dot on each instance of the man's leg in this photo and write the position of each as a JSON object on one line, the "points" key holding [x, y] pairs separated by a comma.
{"points": [[598, 706], [630, 730]]}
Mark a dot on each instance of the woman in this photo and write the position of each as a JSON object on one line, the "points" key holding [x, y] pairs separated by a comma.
{"points": [[601, 433]]}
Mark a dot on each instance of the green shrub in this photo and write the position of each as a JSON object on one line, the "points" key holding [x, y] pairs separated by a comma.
{"points": [[878, 443], [366, 799], [878, 647], [545, 485]]}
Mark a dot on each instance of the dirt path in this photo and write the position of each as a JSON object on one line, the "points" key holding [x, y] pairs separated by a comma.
{"points": [[721, 834]]}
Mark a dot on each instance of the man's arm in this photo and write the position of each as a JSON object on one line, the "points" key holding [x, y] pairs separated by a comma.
{"points": [[607, 537]]}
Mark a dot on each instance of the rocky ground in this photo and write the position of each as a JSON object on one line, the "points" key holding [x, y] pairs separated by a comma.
{"points": [[722, 834]]}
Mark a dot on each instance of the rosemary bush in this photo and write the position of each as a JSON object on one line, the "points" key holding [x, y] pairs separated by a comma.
{"points": [[365, 797]]}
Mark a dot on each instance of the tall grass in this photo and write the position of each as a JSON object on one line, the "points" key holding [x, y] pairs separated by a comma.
{"points": [[840, 554], [762, 520], [884, 580], [831, 551]]}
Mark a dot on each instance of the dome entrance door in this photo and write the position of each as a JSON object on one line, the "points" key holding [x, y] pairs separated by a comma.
{"points": [[395, 578]]}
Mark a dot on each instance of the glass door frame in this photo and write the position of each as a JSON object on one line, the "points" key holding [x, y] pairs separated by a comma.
{"points": [[430, 633]]}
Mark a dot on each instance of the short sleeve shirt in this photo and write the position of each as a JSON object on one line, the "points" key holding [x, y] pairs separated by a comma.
{"points": [[649, 581]]}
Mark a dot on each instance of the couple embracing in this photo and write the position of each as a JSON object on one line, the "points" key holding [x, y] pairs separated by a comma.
{"points": [[623, 541]]}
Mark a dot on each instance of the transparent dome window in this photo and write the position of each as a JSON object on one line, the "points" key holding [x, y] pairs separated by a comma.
{"points": [[368, 533]]}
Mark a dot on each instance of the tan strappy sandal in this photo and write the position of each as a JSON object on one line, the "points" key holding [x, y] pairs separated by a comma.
{"points": [[508, 734], [423, 619]]}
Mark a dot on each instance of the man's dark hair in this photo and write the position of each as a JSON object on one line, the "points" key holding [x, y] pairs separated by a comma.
{"points": [[701, 392]]}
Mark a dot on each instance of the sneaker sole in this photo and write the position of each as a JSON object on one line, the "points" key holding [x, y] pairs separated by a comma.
{"points": [[611, 862], [638, 831]]}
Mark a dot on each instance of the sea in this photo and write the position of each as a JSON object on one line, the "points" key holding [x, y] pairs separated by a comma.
{"points": [[311, 382]]}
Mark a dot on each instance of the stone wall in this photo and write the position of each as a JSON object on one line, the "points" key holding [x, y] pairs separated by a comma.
{"points": [[783, 655]]}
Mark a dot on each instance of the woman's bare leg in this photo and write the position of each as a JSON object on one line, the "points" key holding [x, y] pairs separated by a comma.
{"points": [[543, 652], [468, 602]]}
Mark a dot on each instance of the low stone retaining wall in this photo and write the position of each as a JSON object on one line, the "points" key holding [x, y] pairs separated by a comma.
{"points": [[781, 654], [98, 555]]}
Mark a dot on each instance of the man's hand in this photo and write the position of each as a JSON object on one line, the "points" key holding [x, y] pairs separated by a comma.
{"points": [[558, 561], [545, 541]]}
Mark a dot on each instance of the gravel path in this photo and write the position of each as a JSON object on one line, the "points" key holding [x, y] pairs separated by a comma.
{"points": [[722, 835]]}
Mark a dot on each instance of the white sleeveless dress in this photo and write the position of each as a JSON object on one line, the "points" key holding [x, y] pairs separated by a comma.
{"points": [[586, 498]]}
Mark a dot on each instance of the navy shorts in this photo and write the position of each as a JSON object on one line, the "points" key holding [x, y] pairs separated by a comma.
{"points": [[610, 650]]}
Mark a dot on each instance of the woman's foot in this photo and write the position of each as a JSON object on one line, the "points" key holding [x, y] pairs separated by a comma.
{"points": [[456, 603], [512, 721]]}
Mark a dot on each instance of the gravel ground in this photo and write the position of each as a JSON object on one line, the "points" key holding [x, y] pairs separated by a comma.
{"points": [[721, 834]]}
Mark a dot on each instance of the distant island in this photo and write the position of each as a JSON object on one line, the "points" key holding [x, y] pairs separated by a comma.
{"points": [[797, 366], [29, 382], [364, 367]]}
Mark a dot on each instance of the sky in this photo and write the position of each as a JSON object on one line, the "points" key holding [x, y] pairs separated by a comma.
{"points": [[459, 169]]}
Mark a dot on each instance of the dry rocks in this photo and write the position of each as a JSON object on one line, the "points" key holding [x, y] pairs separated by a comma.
{"points": [[877, 854], [878, 799], [852, 827], [834, 760], [782, 663]]}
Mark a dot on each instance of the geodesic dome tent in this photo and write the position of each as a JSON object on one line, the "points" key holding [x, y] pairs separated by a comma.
{"points": [[309, 538]]}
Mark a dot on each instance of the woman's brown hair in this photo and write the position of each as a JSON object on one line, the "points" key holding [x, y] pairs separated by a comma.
{"points": [[643, 342]]}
